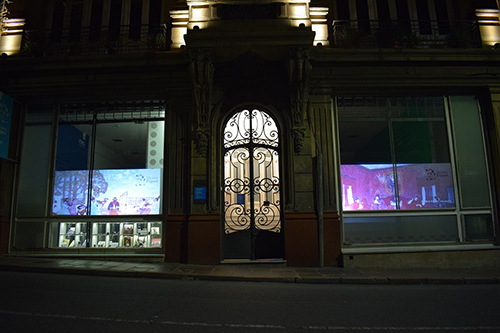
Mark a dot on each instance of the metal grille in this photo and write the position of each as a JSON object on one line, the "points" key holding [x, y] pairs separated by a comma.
{"points": [[355, 108], [251, 173], [112, 111]]}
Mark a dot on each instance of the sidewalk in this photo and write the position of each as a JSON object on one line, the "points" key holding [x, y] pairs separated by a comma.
{"points": [[251, 272]]}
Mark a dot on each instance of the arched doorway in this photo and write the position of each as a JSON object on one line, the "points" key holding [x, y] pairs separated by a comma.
{"points": [[252, 214]]}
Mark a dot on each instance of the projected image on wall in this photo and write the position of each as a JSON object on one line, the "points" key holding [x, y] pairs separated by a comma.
{"points": [[114, 192], [420, 186]]}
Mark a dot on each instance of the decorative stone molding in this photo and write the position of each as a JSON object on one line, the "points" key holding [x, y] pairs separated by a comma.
{"points": [[298, 134], [202, 71], [201, 146], [299, 68]]}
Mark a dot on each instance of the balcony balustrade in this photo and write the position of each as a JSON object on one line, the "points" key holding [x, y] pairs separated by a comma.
{"points": [[406, 34], [96, 40]]}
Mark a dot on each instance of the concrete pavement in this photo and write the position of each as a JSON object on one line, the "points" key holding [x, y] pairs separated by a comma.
{"points": [[251, 272]]}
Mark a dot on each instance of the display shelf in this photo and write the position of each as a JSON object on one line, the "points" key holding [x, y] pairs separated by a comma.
{"points": [[111, 234], [73, 235]]}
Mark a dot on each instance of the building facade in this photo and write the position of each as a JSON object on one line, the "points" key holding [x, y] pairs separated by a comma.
{"points": [[304, 133]]}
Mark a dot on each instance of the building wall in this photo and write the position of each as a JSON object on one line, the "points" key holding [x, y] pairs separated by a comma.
{"points": [[267, 72]]}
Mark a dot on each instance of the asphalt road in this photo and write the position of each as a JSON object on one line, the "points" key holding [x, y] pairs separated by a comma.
{"points": [[31, 302]]}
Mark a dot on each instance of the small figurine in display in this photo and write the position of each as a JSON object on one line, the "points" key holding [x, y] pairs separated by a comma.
{"points": [[377, 202], [114, 207], [356, 204], [81, 210]]}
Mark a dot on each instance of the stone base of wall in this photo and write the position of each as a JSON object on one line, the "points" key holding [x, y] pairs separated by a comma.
{"points": [[438, 259]]}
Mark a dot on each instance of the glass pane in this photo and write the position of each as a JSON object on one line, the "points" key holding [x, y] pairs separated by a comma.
{"points": [[71, 179], [421, 149], [127, 175], [267, 189], [34, 168], [29, 235], [400, 229], [471, 161], [365, 153], [479, 228], [237, 190]]}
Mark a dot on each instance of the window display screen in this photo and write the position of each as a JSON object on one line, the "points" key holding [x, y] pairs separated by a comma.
{"points": [[373, 187], [114, 192]]}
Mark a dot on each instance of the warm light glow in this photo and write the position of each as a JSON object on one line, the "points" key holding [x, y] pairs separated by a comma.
{"points": [[319, 25], [298, 11], [489, 26], [180, 20], [10, 39], [199, 14], [297, 23]]}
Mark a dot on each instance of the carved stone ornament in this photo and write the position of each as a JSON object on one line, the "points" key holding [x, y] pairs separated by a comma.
{"points": [[202, 72], [299, 68], [298, 134], [201, 146]]}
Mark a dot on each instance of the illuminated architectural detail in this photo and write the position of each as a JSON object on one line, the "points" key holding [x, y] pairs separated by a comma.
{"points": [[251, 173], [11, 31], [489, 26], [319, 25], [180, 20], [299, 68], [202, 71], [203, 14]]}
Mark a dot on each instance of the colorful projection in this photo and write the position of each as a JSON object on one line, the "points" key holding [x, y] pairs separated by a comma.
{"points": [[420, 186], [114, 192]]}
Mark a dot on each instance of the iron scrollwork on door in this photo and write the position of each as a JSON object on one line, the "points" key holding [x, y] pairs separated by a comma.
{"points": [[251, 173]]}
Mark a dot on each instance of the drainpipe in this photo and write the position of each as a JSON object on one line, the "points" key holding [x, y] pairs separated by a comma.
{"points": [[319, 162]]}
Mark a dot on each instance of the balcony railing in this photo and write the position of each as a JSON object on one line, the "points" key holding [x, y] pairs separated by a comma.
{"points": [[406, 34], [96, 40]]}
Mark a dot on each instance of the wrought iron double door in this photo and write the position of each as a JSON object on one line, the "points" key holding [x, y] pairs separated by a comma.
{"points": [[252, 188]]}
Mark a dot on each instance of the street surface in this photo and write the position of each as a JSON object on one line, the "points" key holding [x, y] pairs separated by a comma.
{"points": [[32, 302]]}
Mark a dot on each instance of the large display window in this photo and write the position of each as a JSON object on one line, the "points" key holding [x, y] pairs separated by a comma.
{"points": [[110, 168], [413, 170], [394, 154]]}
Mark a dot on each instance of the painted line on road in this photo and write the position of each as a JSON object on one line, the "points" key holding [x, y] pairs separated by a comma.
{"points": [[382, 328], [151, 321], [256, 326]]}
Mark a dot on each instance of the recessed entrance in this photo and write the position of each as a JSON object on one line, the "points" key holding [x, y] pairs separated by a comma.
{"points": [[251, 187]]}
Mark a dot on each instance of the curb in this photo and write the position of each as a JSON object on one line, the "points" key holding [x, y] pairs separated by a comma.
{"points": [[347, 280]]}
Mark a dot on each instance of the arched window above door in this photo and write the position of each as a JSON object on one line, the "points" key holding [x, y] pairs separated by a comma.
{"points": [[255, 125]]}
